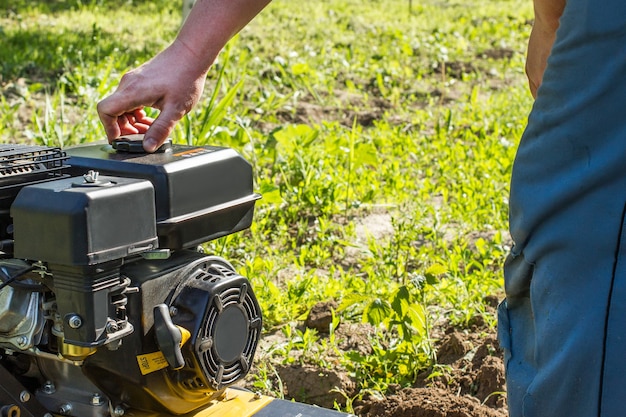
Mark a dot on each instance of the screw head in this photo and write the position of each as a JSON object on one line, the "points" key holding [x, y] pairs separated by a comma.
{"points": [[22, 341], [96, 399], [91, 177], [65, 409], [112, 327], [24, 396], [74, 321], [48, 388]]}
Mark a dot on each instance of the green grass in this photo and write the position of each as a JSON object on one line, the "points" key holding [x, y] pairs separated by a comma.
{"points": [[345, 108]]}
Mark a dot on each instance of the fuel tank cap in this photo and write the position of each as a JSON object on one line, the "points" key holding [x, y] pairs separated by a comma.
{"points": [[134, 144]]}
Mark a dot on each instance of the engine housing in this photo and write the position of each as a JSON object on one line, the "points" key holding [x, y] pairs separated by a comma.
{"points": [[106, 304]]}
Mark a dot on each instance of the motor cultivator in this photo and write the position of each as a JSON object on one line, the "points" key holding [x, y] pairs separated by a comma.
{"points": [[107, 307]]}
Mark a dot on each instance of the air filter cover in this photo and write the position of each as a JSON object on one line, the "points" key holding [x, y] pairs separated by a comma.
{"points": [[74, 222]]}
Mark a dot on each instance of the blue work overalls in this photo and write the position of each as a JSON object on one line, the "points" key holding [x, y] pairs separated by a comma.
{"points": [[563, 323]]}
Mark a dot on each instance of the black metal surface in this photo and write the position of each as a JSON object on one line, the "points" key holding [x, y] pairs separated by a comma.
{"points": [[226, 333], [22, 160], [15, 400], [21, 165]]}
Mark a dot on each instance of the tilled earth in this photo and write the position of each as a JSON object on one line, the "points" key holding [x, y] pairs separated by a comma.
{"points": [[469, 381]]}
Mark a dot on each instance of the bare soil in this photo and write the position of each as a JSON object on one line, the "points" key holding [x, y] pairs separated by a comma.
{"points": [[469, 381]]}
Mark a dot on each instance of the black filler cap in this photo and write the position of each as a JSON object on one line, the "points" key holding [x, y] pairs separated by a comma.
{"points": [[134, 144]]}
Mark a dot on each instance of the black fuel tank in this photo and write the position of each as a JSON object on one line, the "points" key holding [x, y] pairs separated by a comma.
{"points": [[201, 192]]}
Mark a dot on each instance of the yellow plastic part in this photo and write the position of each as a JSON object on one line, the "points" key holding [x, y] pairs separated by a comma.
{"points": [[185, 335], [152, 362], [234, 403]]}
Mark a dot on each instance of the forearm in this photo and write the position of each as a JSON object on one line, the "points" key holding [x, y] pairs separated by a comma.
{"points": [[548, 13], [212, 23], [542, 36]]}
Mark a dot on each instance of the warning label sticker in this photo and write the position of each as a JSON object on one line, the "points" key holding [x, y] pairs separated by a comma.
{"points": [[151, 362]]}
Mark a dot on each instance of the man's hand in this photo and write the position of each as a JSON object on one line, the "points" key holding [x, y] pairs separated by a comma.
{"points": [[134, 122], [171, 82]]}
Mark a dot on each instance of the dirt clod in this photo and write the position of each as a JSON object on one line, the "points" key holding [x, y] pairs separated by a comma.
{"points": [[468, 380], [425, 402], [321, 316], [312, 385]]}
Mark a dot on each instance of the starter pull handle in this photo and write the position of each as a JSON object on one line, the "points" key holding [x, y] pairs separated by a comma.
{"points": [[169, 336]]}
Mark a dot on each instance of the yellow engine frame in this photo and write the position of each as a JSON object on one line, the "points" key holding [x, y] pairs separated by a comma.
{"points": [[234, 403]]}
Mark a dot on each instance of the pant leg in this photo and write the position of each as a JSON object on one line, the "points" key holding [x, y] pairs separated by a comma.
{"points": [[613, 384], [563, 323], [563, 327]]}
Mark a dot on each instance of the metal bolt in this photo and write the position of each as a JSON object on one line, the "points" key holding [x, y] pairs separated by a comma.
{"points": [[173, 311], [74, 321], [24, 396], [112, 327], [91, 177], [48, 388], [96, 399], [22, 341], [118, 411], [48, 415], [205, 344], [65, 409]]}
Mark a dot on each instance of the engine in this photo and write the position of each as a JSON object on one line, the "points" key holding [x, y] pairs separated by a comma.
{"points": [[107, 306]]}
